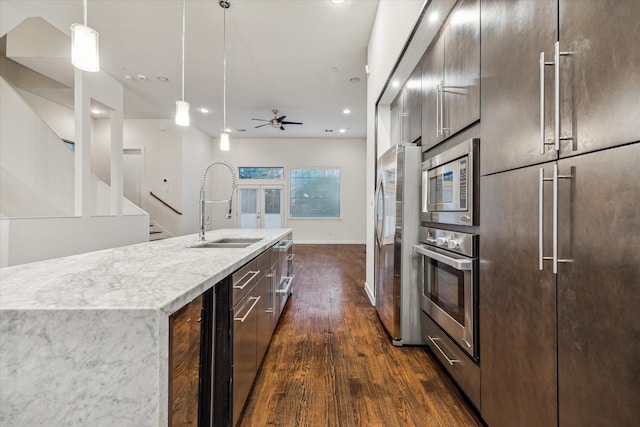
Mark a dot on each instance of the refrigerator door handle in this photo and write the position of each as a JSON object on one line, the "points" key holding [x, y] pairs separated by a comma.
{"points": [[379, 191]]}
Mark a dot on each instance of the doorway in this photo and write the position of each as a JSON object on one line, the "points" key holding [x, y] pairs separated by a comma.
{"points": [[261, 206], [133, 175]]}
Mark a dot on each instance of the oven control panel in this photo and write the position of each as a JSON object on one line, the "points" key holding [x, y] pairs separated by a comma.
{"points": [[455, 241]]}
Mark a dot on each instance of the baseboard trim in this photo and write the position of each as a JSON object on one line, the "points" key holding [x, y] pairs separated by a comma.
{"points": [[370, 293]]}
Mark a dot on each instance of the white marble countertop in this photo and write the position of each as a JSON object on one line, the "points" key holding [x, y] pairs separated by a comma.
{"points": [[161, 275]]}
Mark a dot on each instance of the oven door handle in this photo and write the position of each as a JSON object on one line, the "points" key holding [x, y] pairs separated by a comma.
{"points": [[458, 264]]}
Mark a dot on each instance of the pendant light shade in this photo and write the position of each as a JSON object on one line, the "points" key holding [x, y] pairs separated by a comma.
{"points": [[85, 52], [182, 113], [224, 142]]}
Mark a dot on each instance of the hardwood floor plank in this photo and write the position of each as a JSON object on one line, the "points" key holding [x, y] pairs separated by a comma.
{"points": [[331, 363]]}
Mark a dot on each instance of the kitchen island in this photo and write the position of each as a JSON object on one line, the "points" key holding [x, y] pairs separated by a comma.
{"points": [[84, 340]]}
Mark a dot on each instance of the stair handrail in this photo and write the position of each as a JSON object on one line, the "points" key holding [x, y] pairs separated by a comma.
{"points": [[165, 203]]}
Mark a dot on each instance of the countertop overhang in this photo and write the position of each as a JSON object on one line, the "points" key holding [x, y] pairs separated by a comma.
{"points": [[161, 275]]}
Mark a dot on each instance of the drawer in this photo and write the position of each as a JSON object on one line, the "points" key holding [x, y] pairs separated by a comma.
{"points": [[463, 370], [264, 262], [244, 279]]}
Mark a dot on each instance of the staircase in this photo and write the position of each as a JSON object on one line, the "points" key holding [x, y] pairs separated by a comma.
{"points": [[157, 232]]}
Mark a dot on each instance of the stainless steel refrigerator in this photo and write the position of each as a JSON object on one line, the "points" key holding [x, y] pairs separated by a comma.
{"points": [[396, 227]]}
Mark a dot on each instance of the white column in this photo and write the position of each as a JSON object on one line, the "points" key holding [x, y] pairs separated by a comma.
{"points": [[117, 159], [82, 105]]}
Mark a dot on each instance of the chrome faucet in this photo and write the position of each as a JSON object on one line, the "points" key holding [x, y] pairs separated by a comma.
{"points": [[203, 202]]}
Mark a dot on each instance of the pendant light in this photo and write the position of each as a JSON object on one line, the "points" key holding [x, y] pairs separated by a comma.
{"points": [[182, 107], [224, 136], [85, 53]]}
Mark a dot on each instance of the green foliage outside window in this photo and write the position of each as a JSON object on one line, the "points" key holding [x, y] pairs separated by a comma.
{"points": [[314, 193]]}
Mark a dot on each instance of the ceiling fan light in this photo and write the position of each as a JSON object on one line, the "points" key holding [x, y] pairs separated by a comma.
{"points": [[182, 113], [85, 52], [224, 142]]}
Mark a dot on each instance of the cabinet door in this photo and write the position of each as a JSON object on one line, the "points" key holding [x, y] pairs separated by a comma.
{"points": [[432, 79], [396, 120], [600, 80], [245, 324], [461, 97], [514, 33], [412, 107], [184, 364], [266, 314], [517, 303], [598, 292]]}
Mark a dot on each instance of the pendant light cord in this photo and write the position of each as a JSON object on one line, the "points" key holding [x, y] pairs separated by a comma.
{"points": [[84, 4], [184, 2], [224, 71]]}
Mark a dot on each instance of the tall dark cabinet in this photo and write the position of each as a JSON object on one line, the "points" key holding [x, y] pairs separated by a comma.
{"points": [[450, 76], [560, 113]]}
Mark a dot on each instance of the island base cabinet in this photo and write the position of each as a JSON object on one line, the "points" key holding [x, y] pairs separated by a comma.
{"points": [[189, 347]]}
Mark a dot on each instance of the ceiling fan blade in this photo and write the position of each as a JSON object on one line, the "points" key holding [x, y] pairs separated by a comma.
{"points": [[259, 126], [279, 119], [262, 120], [291, 123], [281, 127]]}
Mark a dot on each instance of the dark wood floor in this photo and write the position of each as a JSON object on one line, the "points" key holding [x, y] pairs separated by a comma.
{"points": [[331, 363]]}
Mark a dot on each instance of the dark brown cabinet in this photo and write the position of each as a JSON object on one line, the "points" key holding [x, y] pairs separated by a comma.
{"points": [[561, 348], [451, 76], [517, 304], [597, 81]]}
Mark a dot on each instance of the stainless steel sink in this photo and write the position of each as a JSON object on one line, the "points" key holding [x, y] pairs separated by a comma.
{"points": [[226, 242]]}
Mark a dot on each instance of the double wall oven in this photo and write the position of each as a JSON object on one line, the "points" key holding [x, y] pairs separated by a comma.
{"points": [[448, 266]]}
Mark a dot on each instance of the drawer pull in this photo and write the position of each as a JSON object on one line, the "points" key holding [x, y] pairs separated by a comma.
{"points": [[433, 340], [285, 290], [290, 257], [242, 319], [253, 273]]}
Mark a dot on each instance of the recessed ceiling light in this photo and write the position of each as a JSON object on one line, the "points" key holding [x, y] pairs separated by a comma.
{"points": [[128, 77], [96, 111], [395, 84], [346, 111], [342, 130], [142, 77], [203, 110], [338, 1], [434, 17], [163, 79]]}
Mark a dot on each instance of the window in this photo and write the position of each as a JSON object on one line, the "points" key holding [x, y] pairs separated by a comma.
{"points": [[261, 173], [314, 193]]}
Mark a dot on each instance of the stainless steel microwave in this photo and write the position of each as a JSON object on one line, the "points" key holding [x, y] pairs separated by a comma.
{"points": [[449, 184]]}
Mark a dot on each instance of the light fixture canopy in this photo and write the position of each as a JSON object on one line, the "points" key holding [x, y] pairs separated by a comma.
{"points": [[224, 142], [182, 113], [85, 52]]}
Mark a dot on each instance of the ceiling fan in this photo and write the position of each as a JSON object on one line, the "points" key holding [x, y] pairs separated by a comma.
{"points": [[276, 122]]}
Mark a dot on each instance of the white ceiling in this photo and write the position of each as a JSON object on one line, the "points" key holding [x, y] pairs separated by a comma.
{"points": [[294, 55]]}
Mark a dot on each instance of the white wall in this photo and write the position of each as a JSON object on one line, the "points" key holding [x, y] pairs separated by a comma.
{"points": [[174, 159], [394, 21], [37, 173], [29, 239], [347, 154]]}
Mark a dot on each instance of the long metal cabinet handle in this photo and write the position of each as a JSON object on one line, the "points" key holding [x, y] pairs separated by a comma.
{"points": [[438, 111], [556, 178], [433, 340], [541, 256], [290, 257], [249, 280], [242, 319], [458, 264], [556, 65], [285, 291], [542, 106]]}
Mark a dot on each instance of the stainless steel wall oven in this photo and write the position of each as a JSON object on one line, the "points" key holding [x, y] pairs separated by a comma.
{"points": [[448, 284]]}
